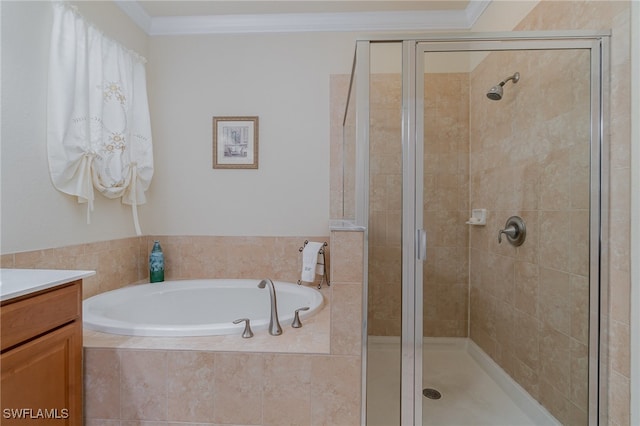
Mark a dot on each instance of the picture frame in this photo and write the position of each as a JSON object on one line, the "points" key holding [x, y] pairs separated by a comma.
{"points": [[235, 142]]}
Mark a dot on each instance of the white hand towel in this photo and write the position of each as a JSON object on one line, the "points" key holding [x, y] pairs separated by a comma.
{"points": [[309, 261]]}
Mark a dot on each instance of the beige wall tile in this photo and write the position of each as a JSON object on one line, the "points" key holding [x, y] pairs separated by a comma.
{"points": [[336, 391], [554, 299], [238, 379], [190, 384], [526, 343], [101, 384], [287, 390], [579, 375], [143, 387], [619, 409], [555, 360], [579, 308], [526, 288], [619, 348], [620, 295], [346, 256], [101, 422], [346, 319], [7, 261]]}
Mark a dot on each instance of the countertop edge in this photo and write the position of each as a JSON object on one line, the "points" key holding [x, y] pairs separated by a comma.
{"points": [[20, 282]]}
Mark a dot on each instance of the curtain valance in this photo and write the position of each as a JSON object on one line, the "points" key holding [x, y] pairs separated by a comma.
{"points": [[98, 126]]}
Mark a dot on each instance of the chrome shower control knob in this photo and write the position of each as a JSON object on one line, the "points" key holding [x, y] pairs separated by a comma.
{"points": [[515, 230], [296, 317]]}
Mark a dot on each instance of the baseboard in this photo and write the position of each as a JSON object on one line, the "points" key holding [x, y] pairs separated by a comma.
{"points": [[521, 397]]}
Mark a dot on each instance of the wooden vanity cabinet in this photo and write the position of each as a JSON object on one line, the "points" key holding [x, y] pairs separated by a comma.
{"points": [[41, 357]]}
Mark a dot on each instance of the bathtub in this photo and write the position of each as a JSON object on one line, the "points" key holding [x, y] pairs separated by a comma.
{"points": [[195, 307]]}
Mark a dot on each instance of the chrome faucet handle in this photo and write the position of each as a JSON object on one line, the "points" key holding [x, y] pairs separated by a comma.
{"points": [[510, 231], [296, 317], [247, 333], [515, 230]]}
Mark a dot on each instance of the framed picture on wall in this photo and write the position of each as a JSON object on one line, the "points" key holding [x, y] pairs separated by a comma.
{"points": [[235, 142]]}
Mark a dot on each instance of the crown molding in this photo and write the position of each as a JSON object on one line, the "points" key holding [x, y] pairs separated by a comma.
{"points": [[409, 21], [137, 14]]}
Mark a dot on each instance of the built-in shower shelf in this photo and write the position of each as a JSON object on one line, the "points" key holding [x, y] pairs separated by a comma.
{"points": [[478, 217]]}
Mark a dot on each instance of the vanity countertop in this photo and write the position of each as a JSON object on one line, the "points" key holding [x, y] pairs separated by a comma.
{"points": [[19, 282]]}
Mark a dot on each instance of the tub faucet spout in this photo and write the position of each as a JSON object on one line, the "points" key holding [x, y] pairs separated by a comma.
{"points": [[274, 324]]}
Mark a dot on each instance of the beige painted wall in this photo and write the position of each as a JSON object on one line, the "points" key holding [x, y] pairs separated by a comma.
{"points": [[283, 79]]}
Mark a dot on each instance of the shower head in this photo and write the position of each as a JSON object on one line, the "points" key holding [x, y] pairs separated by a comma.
{"points": [[495, 93]]}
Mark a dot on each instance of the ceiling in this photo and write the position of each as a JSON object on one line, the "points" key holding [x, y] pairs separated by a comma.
{"points": [[179, 17]]}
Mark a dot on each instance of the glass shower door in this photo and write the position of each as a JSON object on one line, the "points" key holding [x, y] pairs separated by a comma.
{"points": [[384, 313], [492, 145]]}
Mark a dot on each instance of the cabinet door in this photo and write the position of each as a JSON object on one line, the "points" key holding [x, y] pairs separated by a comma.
{"points": [[42, 380]]}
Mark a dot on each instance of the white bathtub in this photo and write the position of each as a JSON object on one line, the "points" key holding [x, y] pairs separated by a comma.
{"points": [[195, 307]]}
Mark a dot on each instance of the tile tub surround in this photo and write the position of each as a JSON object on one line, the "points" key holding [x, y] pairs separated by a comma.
{"points": [[123, 262], [117, 262], [164, 384]]}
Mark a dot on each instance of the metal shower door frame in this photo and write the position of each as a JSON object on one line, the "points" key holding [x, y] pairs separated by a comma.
{"points": [[413, 237]]}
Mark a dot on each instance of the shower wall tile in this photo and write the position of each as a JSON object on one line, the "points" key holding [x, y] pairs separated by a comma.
{"points": [[385, 225], [555, 360], [579, 375], [446, 204], [533, 162], [555, 298], [526, 288], [614, 16], [619, 342], [619, 394], [526, 340], [620, 300], [579, 308]]}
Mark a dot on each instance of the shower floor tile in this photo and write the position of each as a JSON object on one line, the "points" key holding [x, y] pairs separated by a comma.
{"points": [[469, 396]]}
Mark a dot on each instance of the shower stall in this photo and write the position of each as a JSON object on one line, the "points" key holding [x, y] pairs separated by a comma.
{"points": [[475, 162]]}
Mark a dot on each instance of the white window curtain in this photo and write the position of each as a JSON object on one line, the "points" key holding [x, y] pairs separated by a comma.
{"points": [[98, 126]]}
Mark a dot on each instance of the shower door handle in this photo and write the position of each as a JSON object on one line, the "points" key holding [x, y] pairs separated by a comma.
{"points": [[421, 244]]}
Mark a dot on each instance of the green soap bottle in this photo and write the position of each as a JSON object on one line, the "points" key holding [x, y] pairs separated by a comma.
{"points": [[156, 263]]}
